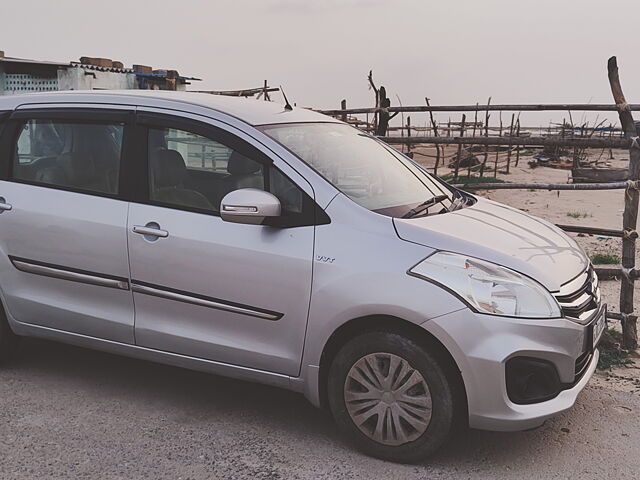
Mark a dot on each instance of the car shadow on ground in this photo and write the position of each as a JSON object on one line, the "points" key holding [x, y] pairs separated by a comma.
{"points": [[194, 395]]}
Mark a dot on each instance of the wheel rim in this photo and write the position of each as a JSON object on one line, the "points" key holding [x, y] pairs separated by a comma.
{"points": [[387, 399]]}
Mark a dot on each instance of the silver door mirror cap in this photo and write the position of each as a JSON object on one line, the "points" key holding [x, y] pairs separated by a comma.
{"points": [[250, 206]]}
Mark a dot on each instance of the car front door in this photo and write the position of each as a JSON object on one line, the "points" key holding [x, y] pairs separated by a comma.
{"points": [[63, 243], [232, 293]]}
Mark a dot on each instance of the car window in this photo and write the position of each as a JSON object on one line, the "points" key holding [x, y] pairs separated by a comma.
{"points": [[290, 196], [191, 171], [198, 152], [75, 156]]}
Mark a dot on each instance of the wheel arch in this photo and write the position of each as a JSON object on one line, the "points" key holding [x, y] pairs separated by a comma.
{"points": [[387, 323], [8, 338]]}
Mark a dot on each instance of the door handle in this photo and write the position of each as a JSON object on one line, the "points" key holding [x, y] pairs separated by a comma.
{"points": [[150, 230], [4, 206]]}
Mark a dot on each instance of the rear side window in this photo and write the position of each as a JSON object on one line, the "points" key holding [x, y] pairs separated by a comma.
{"points": [[75, 156]]}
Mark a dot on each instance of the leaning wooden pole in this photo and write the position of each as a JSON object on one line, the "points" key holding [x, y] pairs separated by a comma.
{"points": [[548, 141], [630, 216], [434, 125], [559, 107]]}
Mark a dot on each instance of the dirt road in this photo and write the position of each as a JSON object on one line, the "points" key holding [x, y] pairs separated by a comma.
{"points": [[69, 413]]}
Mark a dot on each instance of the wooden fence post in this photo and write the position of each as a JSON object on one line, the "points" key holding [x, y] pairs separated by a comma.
{"points": [[630, 216], [610, 136], [495, 167], [435, 134], [486, 134], [408, 135], [475, 123], [343, 106], [517, 135], [513, 117], [457, 165]]}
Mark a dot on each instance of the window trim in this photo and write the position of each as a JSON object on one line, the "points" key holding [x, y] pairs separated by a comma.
{"points": [[4, 147], [4, 115], [311, 215], [87, 115], [97, 116]]}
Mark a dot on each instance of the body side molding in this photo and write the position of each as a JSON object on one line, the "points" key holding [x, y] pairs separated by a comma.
{"points": [[70, 274], [203, 301]]}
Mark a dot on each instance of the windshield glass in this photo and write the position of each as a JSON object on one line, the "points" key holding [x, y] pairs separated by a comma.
{"points": [[365, 169]]}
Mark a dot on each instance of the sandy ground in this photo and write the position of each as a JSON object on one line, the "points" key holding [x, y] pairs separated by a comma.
{"points": [[73, 413], [67, 413]]}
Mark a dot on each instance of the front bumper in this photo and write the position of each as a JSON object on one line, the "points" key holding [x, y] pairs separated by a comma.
{"points": [[482, 344]]}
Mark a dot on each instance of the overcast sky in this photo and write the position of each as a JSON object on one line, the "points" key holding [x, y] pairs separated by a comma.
{"points": [[454, 52]]}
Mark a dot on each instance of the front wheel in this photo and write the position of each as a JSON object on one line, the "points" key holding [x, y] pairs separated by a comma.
{"points": [[392, 397]]}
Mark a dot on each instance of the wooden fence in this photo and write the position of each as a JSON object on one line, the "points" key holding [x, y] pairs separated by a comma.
{"points": [[627, 139], [493, 156]]}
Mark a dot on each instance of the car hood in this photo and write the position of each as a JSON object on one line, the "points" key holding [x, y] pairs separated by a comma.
{"points": [[500, 234]]}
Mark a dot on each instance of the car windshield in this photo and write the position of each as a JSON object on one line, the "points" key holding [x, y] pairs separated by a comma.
{"points": [[365, 169]]}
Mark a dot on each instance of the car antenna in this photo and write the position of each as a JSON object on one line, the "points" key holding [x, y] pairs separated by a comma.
{"points": [[287, 105]]}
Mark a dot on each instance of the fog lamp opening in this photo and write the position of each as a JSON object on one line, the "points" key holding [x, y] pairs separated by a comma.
{"points": [[531, 380]]}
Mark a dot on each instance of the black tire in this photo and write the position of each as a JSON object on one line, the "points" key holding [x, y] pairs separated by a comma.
{"points": [[443, 387], [8, 339]]}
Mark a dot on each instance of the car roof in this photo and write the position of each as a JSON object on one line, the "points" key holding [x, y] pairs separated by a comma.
{"points": [[249, 110]]}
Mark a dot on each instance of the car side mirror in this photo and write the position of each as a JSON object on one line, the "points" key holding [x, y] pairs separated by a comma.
{"points": [[250, 206]]}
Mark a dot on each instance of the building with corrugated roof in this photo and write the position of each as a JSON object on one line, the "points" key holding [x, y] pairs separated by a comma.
{"points": [[20, 75]]}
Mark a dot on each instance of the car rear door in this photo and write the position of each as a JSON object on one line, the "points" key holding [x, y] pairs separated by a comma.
{"points": [[63, 243], [206, 288]]}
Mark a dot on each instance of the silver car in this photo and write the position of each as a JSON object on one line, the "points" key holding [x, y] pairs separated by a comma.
{"points": [[282, 246]]}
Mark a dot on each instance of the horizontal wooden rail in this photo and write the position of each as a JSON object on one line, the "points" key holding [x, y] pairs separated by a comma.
{"points": [[555, 141], [619, 316], [591, 230], [583, 107], [545, 186], [608, 273]]}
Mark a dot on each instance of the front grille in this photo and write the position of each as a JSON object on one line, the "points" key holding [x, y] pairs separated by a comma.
{"points": [[579, 299]]}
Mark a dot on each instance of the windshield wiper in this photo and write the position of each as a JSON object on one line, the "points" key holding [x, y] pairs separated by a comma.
{"points": [[458, 202], [425, 206]]}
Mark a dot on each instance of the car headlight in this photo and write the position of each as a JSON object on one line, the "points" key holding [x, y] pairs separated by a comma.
{"points": [[487, 287]]}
